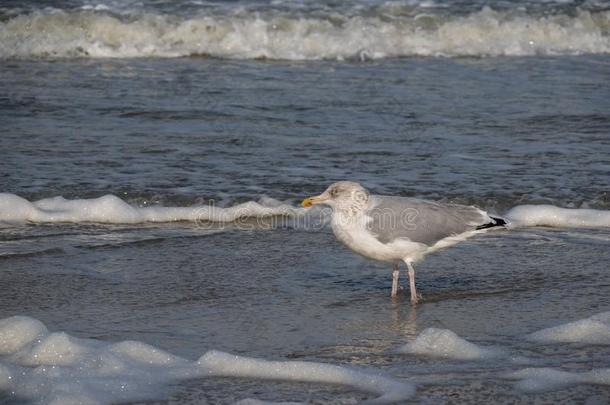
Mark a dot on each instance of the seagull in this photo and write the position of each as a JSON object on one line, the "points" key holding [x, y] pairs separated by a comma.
{"points": [[395, 229]]}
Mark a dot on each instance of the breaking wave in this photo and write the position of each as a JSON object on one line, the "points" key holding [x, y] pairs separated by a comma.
{"points": [[111, 209], [296, 35]]}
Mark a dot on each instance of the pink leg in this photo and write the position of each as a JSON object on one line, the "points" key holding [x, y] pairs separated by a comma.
{"points": [[411, 273], [395, 275]]}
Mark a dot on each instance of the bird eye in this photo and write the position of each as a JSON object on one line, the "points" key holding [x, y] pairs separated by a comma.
{"points": [[334, 192]]}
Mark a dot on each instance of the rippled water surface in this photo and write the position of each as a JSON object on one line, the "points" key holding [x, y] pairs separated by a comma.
{"points": [[504, 128], [495, 132]]}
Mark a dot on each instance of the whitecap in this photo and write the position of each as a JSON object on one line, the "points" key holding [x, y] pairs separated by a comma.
{"points": [[287, 35]]}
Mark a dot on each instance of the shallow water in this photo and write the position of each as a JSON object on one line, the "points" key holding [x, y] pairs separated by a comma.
{"points": [[492, 131], [495, 132]]}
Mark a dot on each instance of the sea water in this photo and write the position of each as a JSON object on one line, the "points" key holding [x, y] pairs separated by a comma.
{"points": [[153, 155]]}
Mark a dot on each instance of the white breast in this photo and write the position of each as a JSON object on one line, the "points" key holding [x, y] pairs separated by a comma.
{"points": [[352, 231]]}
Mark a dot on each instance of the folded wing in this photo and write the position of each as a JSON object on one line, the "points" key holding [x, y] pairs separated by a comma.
{"points": [[421, 221]]}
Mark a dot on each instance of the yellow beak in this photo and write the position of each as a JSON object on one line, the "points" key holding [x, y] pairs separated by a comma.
{"points": [[308, 202]]}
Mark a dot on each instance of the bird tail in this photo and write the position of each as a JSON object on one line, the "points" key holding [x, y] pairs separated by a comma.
{"points": [[495, 221]]}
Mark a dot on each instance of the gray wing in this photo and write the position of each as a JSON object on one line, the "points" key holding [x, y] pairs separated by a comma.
{"points": [[421, 221]]}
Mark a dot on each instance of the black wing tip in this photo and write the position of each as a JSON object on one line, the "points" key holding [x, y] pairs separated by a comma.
{"points": [[494, 222]]}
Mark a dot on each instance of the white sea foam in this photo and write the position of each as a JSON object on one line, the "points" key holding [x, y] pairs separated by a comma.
{"points": [[548, 215], [443, 343], [224, 365], [17, 332], [111, 209], [56, 368], [593, 330], [549, 379], [250, 401], [293, 35]]}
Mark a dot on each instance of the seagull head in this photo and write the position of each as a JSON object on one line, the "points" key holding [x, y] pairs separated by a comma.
{"points": [[343, 195]]}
